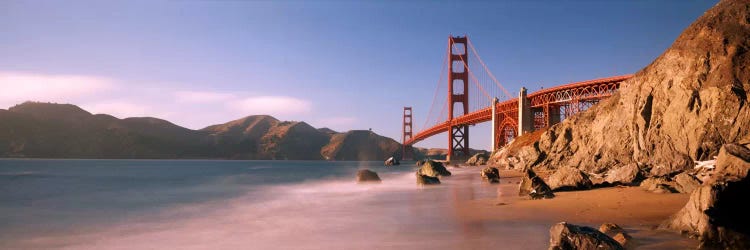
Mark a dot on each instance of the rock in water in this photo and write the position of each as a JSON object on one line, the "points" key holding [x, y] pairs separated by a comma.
{"points": [[628, 174], [533, 186], [392, 161], [478, 159], [679, 109], [491, 174], [419, 163], [366, 175], [717, 212], [616, 232], [564, 236], [433, 169], [427, 180], [569, 178]]}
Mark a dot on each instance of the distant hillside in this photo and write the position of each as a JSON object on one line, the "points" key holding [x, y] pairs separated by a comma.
{"points": [[45, 130]]}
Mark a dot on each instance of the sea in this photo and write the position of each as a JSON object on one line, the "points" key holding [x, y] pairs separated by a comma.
{"points": [[220, 204]]}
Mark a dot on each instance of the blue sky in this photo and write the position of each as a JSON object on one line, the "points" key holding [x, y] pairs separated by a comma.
{"points": [[340, 64]]}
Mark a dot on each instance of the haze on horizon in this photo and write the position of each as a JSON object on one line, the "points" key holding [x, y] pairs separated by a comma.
{"points": [[342, 65]]}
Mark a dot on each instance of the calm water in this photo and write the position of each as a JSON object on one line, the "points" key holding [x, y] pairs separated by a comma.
{"points": [[162, 204]]}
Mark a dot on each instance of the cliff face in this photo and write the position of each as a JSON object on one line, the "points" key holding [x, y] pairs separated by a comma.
{"points": [[680, 108], [43, 130]]}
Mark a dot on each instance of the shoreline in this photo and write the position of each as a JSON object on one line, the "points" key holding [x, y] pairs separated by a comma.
{"points": [[638, 211]]}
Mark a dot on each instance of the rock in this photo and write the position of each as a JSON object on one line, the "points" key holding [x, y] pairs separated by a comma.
{"points": [[732, 161], [478, 159], [623, 238], [366, 175], [569, 178], [680, 108], [392, 161], [659, 185], [427, 180], [717, 214], [686, 183], [533, 186], [564, 236], [419, 162], [629, 174], [433, 169], [491, 174], [616, 232]]}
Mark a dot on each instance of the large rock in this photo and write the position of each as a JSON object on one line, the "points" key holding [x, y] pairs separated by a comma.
{"points": [[533, 186], [433, 169], [717, 212], [679, 109], [366, 175], [427, 180], [659, 185], [564, 236], [478, 159], [491, 174], [628, 174], [686, 183], [569, 178]]}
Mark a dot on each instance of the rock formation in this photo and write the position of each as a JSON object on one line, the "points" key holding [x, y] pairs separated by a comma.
{"points": [[433, 169], [392, 161], [533, 186], [491, 174], [569, 178], [478, 159], [679, 109], [366, 175], [564, 236], [426, 180]]}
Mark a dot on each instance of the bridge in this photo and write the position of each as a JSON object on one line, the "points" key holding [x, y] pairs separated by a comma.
{"points": [[510, 117]]}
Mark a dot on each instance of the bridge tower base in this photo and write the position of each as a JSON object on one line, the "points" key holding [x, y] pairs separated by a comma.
{"points": [[458, 93]]}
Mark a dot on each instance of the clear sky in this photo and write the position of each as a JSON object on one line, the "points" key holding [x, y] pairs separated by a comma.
{"points": [[340, 64]]}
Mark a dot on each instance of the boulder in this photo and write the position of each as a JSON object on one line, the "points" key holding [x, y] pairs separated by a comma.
{"points": [[628, 174], [569, 178], [686, 183], [427, 180], [717, 211], [419, 162], [533, 186], [659, 185], [616, 232], [433, 169], [478, 159], [392, 161], [564, 236], [491, 174], [366, 175]]}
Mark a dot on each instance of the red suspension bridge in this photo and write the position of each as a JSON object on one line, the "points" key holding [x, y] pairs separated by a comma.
{"points": [[510, 117]]}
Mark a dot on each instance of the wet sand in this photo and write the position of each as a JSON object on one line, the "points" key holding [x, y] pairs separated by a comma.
{"points": [[633, 208]]}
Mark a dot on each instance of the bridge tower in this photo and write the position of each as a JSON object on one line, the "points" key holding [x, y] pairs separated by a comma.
{"points": [[458, 93], [407, 152]]}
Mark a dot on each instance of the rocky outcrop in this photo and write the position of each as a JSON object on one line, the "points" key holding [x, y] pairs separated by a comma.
{"points": [[569, 178], [660, 185], [717, 212], [366, 175], [686, 183], [679, 109], [628, 174], [433, 169], [491, 174], [419, 163], [478, 159], [533, 186], [426, 180], [564, 236]]}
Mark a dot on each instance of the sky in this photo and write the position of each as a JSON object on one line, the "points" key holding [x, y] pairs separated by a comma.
{"points": [[338, 64]]}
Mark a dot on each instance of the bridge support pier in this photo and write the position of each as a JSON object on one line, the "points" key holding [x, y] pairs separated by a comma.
{"points": [[525, 114], [458, 93], [494, 124], [406, 150]]}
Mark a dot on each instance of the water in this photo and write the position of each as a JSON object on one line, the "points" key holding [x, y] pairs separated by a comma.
{"points": [[193, 204]]}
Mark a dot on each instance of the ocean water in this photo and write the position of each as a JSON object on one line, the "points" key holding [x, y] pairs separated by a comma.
{"points": [[202, 204]]}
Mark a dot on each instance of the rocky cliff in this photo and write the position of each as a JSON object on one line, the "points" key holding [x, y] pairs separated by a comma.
{"points": [[679, 109]]}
